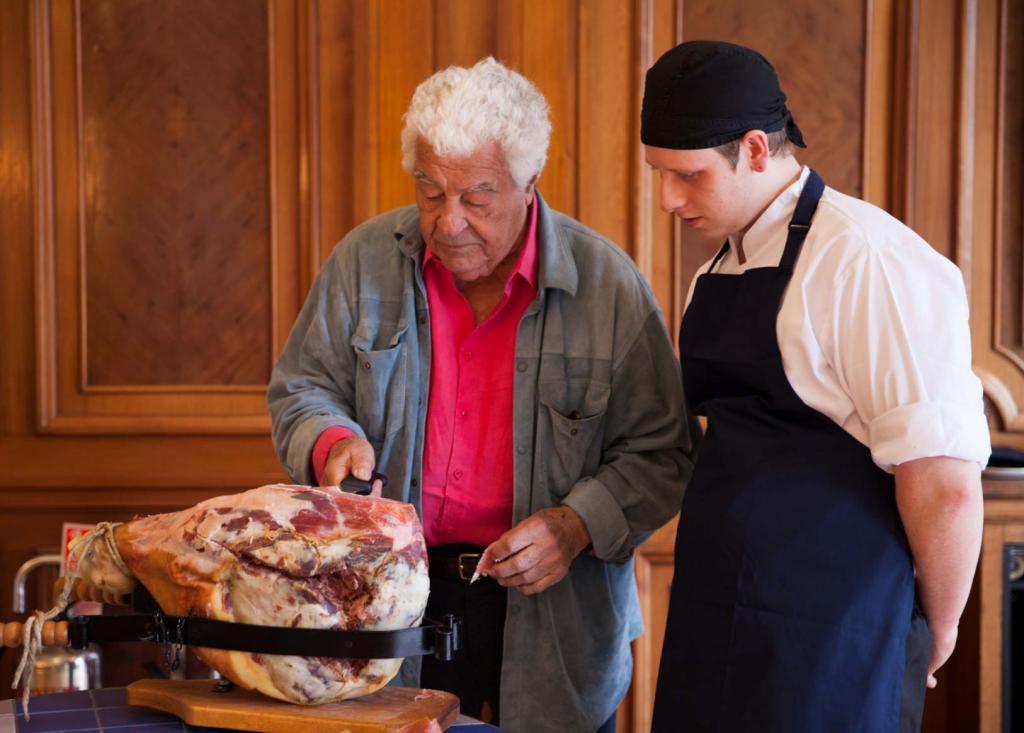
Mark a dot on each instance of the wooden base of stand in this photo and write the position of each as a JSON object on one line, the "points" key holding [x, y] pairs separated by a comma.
{"points": [[389, 710]]}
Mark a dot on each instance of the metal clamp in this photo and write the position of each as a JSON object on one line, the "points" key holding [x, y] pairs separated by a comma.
{"points": [[447, 638]]}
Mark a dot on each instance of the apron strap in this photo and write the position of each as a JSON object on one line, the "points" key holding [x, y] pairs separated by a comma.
{"points": [[718, 257], [801, 221], [799, 225]]}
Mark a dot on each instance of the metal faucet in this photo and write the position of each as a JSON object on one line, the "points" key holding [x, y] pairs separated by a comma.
{"points": [[19, 577]]}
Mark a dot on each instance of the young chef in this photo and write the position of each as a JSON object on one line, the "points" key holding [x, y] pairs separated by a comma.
{"points": [[828, 346]]}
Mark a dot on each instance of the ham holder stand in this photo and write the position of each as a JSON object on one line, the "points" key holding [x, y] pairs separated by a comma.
{"points": [[219, 703]]}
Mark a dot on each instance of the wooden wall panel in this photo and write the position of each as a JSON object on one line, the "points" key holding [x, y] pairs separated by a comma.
{"points": [[914, 105], [661, 256], [1009, 195], [655, 564], [994, 231], [935, 126], [166, 235], [174, 192], [466, 31], [17, 366], [608, 127], [406, 59], [345, 48]]}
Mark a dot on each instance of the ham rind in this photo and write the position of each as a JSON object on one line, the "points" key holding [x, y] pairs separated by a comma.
{"points": [[286, 556]]}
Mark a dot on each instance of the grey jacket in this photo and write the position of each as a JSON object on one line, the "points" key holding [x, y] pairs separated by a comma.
{"points": [[599, 426]]}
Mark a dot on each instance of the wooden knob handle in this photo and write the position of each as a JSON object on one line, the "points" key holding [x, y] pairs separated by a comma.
{"points": [[55, 633]]}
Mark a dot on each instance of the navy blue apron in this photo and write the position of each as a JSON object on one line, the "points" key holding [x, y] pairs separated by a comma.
{"points": [[791, 604]]}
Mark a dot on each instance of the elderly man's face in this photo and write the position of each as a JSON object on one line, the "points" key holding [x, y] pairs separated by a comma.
{"points": [[472, 215]]}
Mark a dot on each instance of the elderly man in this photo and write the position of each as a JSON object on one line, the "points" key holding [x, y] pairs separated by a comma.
{"points": [[509, 371]]}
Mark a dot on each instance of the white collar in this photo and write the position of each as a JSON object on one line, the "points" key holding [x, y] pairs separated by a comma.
{"points": [[766, 227]]}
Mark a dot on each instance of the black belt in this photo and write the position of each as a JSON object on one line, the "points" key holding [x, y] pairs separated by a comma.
{"points": [[449, 565]]}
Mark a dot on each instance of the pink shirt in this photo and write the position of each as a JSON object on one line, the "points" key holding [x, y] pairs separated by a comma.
{"points": [[467, 454]]}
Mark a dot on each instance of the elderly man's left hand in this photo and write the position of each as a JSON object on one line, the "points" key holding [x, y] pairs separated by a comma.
{"points": [[537, 552]]}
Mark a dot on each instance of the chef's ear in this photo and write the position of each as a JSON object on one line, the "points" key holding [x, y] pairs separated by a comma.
{"points": [[755, 144]]}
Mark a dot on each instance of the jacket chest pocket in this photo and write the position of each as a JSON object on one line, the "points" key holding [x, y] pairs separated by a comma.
{"points": [[380, 391], [576, 410]]}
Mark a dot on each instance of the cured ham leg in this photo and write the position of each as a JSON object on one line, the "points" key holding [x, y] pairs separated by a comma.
{"points": [[286, 556]]}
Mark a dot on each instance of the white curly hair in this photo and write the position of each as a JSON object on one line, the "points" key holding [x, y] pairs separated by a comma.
{"points": [[457, 110]]}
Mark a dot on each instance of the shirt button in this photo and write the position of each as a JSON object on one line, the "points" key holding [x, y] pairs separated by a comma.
{"points": [[521, 366], [457, 474], [366, 365], [462, 413], [415, 482], [521, 450], [469, 355]]}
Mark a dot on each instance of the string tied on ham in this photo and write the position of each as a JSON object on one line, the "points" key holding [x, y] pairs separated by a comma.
{"points": [[103, 532]]}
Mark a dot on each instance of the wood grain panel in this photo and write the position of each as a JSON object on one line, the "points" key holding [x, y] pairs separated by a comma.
{"points": [[880, 104], [660, 254], [991, 633], [607, 90], [1009, 233], [406, 59], [348, 99], [543, 47], [1004, 524], [466, 31], [17, 67], [936, 125], [174, 131], [996, 262], [217, 273], [654, 571]]}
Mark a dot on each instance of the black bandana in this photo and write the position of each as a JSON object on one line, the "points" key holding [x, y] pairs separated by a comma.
{"points": [[702, 94]]}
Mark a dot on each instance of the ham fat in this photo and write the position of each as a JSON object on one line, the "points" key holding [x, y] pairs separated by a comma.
{"points": [[281, 556]]}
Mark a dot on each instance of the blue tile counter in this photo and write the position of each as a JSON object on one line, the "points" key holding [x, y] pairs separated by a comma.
{"points": [[101, 710]]}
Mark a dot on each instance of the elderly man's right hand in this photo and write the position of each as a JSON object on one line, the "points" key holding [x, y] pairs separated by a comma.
{"points": [[351, 456]]}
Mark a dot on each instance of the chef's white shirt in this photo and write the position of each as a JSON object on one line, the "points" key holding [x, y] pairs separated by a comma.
{"points": [[873, 329]]}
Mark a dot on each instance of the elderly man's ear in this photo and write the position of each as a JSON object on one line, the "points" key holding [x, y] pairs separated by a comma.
{"points": [[531, 187]]}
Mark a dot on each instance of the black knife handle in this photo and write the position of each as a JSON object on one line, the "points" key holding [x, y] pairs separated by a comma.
{"points": [[353, 485]]}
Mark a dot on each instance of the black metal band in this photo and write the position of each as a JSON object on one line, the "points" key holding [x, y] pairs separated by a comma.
{"points": [[439, 639]]}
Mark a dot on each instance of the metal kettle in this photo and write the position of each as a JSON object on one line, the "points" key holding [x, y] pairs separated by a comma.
{"points": [[57, 669]]}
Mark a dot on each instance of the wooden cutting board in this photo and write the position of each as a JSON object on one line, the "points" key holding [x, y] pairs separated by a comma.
{"points": [[389, 710]]}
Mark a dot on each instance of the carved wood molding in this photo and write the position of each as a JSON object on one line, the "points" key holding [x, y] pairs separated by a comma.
{"points": [[1001, 396]]}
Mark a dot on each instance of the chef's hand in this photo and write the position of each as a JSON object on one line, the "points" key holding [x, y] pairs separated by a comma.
{"points": [[537, 552], [943, 642], [352, 455]]}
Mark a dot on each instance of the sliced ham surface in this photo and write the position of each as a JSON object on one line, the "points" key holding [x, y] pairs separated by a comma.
{"points": [[286, 556]]}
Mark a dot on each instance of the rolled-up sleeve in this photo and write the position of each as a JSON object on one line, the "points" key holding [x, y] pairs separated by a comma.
{"points": [[899, 340]]}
